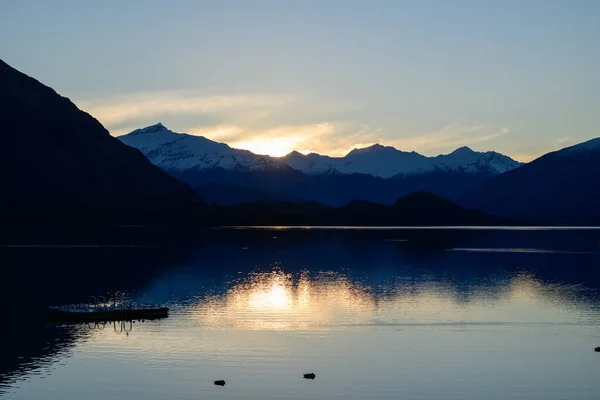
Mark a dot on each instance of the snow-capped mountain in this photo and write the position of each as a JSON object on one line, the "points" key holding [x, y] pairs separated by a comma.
{"points": [[467, 160], [386, 162], [377, 173], [380, 161], [178, 152]]}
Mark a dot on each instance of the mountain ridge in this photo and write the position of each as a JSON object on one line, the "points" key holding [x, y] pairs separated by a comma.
{"points": [[418, 208], [174, 151], [376, 173]]}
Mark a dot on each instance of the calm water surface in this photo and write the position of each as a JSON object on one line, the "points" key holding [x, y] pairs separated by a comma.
{"points": [[379, 315]]}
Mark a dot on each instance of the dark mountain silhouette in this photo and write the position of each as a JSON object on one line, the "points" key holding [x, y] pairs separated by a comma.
{"points": [[561, 187], [333, 189], [420, 208], [58, 159], [231, 194]]}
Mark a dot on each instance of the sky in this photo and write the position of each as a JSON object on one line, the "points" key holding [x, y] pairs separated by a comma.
{"points": [[518, 77]]}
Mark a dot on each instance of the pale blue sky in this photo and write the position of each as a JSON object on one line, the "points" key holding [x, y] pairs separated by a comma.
{"points": [[520, 77]]}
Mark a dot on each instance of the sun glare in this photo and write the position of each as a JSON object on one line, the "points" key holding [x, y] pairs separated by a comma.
{"points": [[275, 147], [277, 296]]}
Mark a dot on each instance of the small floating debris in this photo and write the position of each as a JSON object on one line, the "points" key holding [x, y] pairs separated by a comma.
{"points": [[309, 376], [220, 383], [127, 311], [597, 349]]}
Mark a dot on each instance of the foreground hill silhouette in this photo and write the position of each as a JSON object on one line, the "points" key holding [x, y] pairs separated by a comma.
{"points": [[59, 160], [419, 208], [561, 187]]}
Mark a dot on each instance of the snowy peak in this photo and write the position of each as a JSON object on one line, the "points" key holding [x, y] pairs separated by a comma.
{"points": [[376, 160], [463, 151], [374, 149], [467, 160], [178, 152], [150, 129], [384, 161]]}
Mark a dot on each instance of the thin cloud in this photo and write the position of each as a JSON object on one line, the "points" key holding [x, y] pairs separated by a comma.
{"points": [[118, 110], [331, 138], [277, 141], [558, 144], [226, 133], [449, 138], [272, 123], [338, 138]]}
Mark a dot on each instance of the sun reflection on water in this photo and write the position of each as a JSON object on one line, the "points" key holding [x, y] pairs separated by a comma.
{"points": [[273, 291], [326, 300], [277, 300]]}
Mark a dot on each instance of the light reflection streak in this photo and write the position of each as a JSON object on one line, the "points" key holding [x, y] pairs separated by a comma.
{"points": [[279, 301], [276, 300]]}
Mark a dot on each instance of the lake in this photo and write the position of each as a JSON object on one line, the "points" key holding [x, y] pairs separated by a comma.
{"points": [[375, 314]]}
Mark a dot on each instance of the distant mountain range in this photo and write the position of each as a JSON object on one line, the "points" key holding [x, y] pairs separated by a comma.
{"points": [[58, 159], [61, 166], [560, 187], [378, 173], [180, 152], [387, 162]]}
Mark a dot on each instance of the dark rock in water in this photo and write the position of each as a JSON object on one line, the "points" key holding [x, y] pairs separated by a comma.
{"points": [[597, 349], [220, 383], [309, 376]]}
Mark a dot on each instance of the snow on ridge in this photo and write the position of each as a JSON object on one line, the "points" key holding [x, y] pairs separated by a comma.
{"points": [[149, 129], [386, 162], [179, 152], [471, 161]]}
